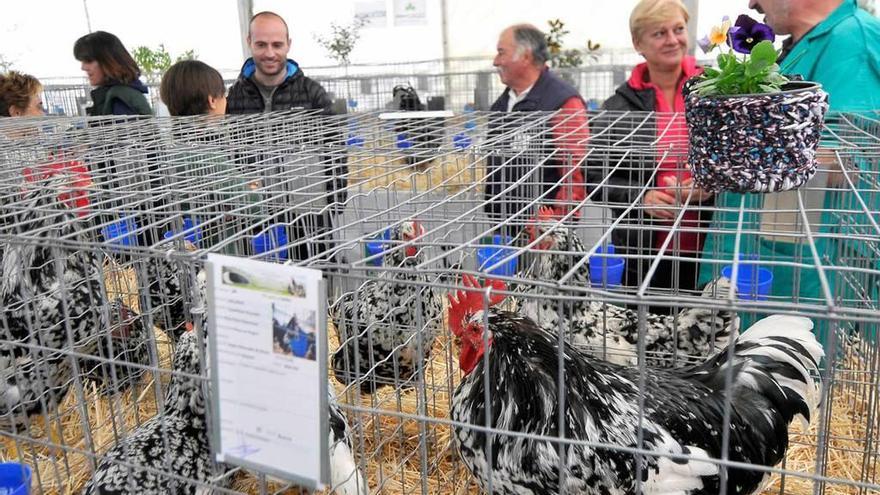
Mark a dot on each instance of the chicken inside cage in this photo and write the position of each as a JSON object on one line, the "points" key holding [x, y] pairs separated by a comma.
{"points": [[468, 352]]}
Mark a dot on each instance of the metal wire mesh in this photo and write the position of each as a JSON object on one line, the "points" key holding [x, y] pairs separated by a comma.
{"points": [[395, 210]]}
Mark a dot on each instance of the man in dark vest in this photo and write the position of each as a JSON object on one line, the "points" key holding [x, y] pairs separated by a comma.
{"points": [[543, 155], [269, 81]]}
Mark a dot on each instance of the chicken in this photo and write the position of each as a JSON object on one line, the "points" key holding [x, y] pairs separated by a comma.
{"points": [[387, 328], [165, 296], [610, 331], [126, 345], [346, 477], [182, 428], [680, 411], [53, 302], [173, 442]]}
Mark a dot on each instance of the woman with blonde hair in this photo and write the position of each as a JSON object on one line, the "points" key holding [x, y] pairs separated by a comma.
{"points": [[20, 95], [660, 35]]}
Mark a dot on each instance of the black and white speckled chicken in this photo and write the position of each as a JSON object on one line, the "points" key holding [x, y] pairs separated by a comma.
{"points": [[386, 329], [53, 302], [680, 411], [165, 296], [611, 331], [170, 452], [125, 350]]}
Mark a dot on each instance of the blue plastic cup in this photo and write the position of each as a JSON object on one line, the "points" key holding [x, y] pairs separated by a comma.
{"points": [[403, 141], [461, 141], [753, 283], [273, 238], [355, 140], [191, 233], [606, 270], [15, 479], [121, 233], [377, 246], [299, 345], [494, 251]]}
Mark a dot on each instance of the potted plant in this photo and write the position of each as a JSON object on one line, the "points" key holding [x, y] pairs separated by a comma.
{"points": [[751, 129]]}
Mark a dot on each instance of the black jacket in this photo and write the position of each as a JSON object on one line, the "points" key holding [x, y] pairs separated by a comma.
{"points": [[508, 166], [621, 162], [297, 92]]}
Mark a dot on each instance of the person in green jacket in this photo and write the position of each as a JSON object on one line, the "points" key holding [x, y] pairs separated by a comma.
{"points": [[836, 44], [113, 73]]}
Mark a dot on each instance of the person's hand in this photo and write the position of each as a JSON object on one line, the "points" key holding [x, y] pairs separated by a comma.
{"points": [[660, 204], [696, 194]]}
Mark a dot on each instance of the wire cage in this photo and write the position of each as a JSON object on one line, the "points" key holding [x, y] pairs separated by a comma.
{"points": [[106, 223]]}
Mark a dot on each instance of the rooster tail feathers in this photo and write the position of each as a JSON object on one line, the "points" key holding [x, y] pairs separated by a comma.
{"points": [[780, 358]]}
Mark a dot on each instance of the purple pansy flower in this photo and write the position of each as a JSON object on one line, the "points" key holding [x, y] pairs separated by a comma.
{"points": [[747, 33]]}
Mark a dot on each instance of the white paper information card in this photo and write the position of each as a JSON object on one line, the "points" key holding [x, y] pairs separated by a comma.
{"points": [[267, 336]]}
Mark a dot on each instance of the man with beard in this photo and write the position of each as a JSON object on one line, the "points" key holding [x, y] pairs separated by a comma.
{"points": [[270, 82]]}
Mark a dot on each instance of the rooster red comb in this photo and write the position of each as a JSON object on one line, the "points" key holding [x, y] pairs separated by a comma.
{"points": [[548, 214], [470, 300]]}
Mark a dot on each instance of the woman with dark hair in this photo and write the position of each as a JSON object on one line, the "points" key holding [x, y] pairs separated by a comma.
{"points": [[114, 75]]}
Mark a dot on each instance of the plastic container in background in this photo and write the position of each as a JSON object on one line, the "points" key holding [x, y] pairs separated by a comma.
{"points": [[377, 246], [299, 345], [753, 283], [354, 140], [461, 141], [492, 251], [606, 270], [403, 141], [272, 239], [121, 233], [191, 233], [15, 479]]}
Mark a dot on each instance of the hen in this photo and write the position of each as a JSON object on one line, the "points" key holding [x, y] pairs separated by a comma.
{"points": [[610, 331], [53, 301], [170, 452], [386, 329], [680, 411]]}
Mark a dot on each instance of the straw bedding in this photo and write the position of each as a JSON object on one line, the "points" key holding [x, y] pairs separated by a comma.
{"points": [[388, 446]]}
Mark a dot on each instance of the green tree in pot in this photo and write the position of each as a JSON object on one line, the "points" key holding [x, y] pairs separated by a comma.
{"points": [[751, 129]]}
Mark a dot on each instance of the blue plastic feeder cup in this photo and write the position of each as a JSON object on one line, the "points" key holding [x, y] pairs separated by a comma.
{"points": [[753, 283], [15, 479], [273, 238], [606, 270], [191, 233], [377, 246], [461, 141], [121, 233], [403, 141], [494, 251]]}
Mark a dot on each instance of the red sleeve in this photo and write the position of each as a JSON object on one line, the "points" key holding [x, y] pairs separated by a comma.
{"points": [[570, 133]]}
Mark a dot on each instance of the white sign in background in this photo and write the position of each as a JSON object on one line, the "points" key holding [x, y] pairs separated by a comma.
{"points": [[410, 13], [267, 336]]}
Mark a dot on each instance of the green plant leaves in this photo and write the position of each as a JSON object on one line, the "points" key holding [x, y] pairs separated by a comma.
{"points": [[755, 73]]}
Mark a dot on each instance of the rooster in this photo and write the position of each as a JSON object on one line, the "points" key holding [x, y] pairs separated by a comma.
{"points": [[679, 412], [610, 331], [387, 329]]}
